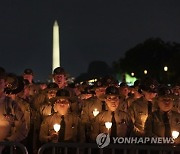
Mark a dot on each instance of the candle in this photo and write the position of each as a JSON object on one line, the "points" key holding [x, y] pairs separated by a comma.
{"points": [[108, 125], [175, 134], [57, 127], [95, 112]]}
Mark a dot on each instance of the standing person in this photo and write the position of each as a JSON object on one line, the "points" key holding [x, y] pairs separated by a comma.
{"points": [[60, 78], [70, 125], [15, 92], [135, 93], [144, 106], [124, 94], [93, 106], [120, 120], [29, 75], [47, 108], [12, 125], [163, 121]]}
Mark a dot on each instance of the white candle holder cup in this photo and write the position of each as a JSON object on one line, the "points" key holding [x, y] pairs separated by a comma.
{"points": [[175, 134], [108, 125], [95, 112], [57, 127]]}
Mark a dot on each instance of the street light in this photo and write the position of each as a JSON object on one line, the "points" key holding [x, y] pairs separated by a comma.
{"points": [[132, 74], [145, 71]]}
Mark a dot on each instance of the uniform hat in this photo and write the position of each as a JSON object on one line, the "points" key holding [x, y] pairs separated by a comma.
{"points": [[15, 84], [88, 90], [28, 71], [123, 84], [52, 86], [59, 70], [165, 91], [150, 85], [61, 94], [112, 90], [99, 83], [110, 80]]}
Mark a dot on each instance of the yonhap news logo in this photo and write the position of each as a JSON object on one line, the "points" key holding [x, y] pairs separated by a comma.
{"points": [[103, 140]]}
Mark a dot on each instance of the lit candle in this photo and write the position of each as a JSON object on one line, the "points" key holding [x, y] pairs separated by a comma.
{"points": [[108, 125], [175, 134], [57, 127], [95, 112]]}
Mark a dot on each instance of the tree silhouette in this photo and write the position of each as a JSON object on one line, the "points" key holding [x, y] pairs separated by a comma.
{"points": [[152, 55], [96, 69]]}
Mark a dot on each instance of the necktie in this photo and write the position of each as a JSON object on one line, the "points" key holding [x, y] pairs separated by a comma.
{"points": [[62, 129], [114, 126], [103, 105], [149, 107], [52, 108], [167, 132]]}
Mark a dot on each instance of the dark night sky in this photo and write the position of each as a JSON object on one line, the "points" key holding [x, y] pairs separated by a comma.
{"points": [[90, 30]]}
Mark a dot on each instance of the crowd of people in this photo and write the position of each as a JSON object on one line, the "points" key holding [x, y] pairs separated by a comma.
{"points": [[35, 114]]}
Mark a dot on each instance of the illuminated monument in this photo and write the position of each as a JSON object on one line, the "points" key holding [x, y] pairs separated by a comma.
{"points": [[56, 46]]}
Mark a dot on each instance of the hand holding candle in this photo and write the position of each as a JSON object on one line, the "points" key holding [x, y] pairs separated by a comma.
{"points": [[54, 135]]}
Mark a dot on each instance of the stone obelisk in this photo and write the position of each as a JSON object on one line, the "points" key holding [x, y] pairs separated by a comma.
{"points": [[56, 46]]}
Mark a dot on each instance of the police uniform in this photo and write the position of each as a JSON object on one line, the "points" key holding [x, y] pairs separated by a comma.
{"points": [[141, 108], [38, 100], [47, 109], [12, 122], [123, 104], [89, 106], [123, 122], [73, 130], [25, 107], [87, 115], [139, 113], [154, 126], [163, 121]]}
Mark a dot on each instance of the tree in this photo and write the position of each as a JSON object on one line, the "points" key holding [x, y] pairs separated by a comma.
{"points": [[96, 69], [152, 55]]}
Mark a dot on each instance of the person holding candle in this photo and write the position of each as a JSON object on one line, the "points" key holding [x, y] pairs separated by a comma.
{"points": [[113, 121], [144, 106], [93, 106], [164, 122], [70, 124], [13, 125]]}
